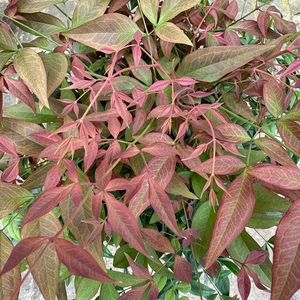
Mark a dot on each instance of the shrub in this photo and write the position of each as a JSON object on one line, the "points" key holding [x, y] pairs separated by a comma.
{"points": [[161, 128]]}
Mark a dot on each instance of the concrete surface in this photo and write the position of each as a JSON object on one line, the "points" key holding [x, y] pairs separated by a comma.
{"points": [[289, 8]]}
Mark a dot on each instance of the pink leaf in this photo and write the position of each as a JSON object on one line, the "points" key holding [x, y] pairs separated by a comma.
{"points": [[10, 173], [234, 133], [286, 261], [80, 262], [283, 177], [53, 177], [158, 86], [8, 147], [160, 149], [182, 269]]}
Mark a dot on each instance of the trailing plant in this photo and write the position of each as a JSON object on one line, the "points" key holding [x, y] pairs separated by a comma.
{"points": [[151, 133]]}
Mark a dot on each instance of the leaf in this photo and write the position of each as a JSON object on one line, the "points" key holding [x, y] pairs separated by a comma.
{"points": [[264, 220], [6, 41], [46, 202], [46, 269], [39, 42], [162, 205], [234, 133], [123, 222], [44, 23], [22, 112], [138, 270], [177, 187], [267, 201], [238, 105], [290, 133], [273, 95], [80, 262], [150, 10], [88, 288], [10, 281], [12, 197], [56, 66], [282, 177], [4, 58], [125, 279], [110, 31], [19, 132], [241, 247], [203, 220], [256, 257], [182, 269], [108, 291], [87, 10], [22, 250], [171, 8], [169, 32], [244, 283], [157, 240], [30, 68], [274, 151], [286, 261], [233, 214], [134, 294], [31, 6], [212, 63], [224, 164], [294, 113]]}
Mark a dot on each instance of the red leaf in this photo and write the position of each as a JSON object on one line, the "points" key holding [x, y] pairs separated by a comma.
{"points": [[256, 257], [158, 86], [134, 294], [233, 214], [117, 184], [102, 116], [46, 202], [7, 146], [256, 280], [90, 155], [244, 283], [214, 269], [153, 137], [138, 270], [162, 205], [283, 177], [183, 269], [20, 90], [263, 22], [53, 177], [224, 164], [286, 261], [80, 262], [11, 173], [153, 292], [157, 240], [23, 249], [123, 223]]}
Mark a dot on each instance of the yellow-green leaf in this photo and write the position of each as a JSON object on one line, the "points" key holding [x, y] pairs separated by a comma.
{"points": [[30, 68], [87, 10], [4, 57], [6, 41], [171, 8], [56, 66], [110, 31], [31, 6], [46, 270], [150, 9], [169, 32], [12, 196], [44, 23], [212, 63], [10, 281]]}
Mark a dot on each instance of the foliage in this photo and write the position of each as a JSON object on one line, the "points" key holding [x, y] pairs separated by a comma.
{"points": [[161, 128]]}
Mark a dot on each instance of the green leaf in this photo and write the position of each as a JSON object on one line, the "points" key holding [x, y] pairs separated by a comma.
{"points": [[87, 10], [169, 32], [10, 281], [264, 220], [293, 114], [255, 156], [203, 220], [4, 58], [19, 132], [31, 6], [23, 112], [125, 279], [87, 289], [12, 197], [39, 42], [198, 183], [267, 201], [160, 281], [30, 68], [120, 260], [241, 247], [46, 269], [108, 291], [56, 66], [150, 10], [43, 23], [6, 41], [170, 295], [125, 84], [171, 8], [110, 31], [212, 63]]}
